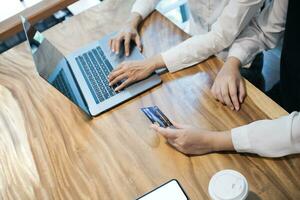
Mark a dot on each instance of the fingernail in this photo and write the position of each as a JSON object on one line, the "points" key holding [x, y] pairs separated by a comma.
{"points": [[117, 52], [127, 54]]}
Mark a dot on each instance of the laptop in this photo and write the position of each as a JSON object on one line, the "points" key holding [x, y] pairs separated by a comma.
{"points": [[82, 75]]}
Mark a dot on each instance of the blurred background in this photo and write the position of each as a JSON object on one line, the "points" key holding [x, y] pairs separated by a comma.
{"points": [[176, 10]]}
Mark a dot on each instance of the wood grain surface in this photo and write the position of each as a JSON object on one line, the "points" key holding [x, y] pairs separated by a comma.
{"points": [[49, 149]]}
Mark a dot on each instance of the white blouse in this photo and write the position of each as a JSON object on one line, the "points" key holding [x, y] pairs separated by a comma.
{"points": [[214, 24]]}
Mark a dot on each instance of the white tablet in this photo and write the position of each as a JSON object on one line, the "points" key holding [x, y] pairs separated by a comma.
{"points": [[168, 191]]}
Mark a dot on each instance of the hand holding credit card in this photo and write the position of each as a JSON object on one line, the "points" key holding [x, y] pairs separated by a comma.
{"points": [[156, 116]]}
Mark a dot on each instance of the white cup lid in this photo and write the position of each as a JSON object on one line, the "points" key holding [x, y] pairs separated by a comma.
{"points": [[228, 185]]}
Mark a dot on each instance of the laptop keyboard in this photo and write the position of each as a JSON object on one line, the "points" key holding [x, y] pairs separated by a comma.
{"points": [[63, 86], [95, 68]]}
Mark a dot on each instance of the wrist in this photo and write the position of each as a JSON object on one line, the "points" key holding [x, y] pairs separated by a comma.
{"points": [[156, 62], [222, 141], [233, 63], [134, 20]]}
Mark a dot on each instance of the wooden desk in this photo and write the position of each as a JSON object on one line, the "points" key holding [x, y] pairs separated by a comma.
{"points": [[39, 11], [50, 150]]}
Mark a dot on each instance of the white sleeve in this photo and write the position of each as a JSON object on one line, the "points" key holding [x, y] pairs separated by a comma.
{"points": [[234, 18], [269, 138], [263, 33], [144, 7]]}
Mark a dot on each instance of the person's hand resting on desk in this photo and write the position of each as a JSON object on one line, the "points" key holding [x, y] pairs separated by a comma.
{"points": [[229, 86], [194, 141], [131, 71]]}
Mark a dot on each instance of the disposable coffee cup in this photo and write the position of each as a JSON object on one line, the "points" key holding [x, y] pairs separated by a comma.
{"points": [[228, 185]]}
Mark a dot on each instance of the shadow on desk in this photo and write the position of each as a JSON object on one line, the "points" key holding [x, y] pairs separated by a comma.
{"points": [[253, 196]]}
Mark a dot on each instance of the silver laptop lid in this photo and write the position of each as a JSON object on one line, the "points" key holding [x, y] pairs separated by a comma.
{"points": [[52, 65]]}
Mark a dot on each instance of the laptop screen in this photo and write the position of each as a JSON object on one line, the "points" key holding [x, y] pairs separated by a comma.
{"points": [[52, 65]]}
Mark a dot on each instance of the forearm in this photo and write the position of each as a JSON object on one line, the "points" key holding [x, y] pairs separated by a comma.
{"points": [[269, 138], [155, 62], [144, 7], [195, 50], [222, 141], [134, 20], [233, 63], [263, 33], [234, 18]]}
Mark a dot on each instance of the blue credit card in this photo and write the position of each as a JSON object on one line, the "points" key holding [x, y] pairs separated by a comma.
{"points": [[156, 116]]}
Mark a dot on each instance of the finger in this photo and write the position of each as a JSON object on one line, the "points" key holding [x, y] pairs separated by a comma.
{"points": [[124, 84], [110, 43], [127, 44], [115, 73], [234, 96], [120, 66], [213, 91], [138, 42], [118, 79], [219, 96], [118, 43], [177, 125], [225, 95], [217, 93], [168, 133], [113, 45], [242, 91]]}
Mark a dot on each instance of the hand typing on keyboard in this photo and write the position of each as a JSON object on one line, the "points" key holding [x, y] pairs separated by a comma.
{"points": [[95, 68], [133, 71], [123, 39]]}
